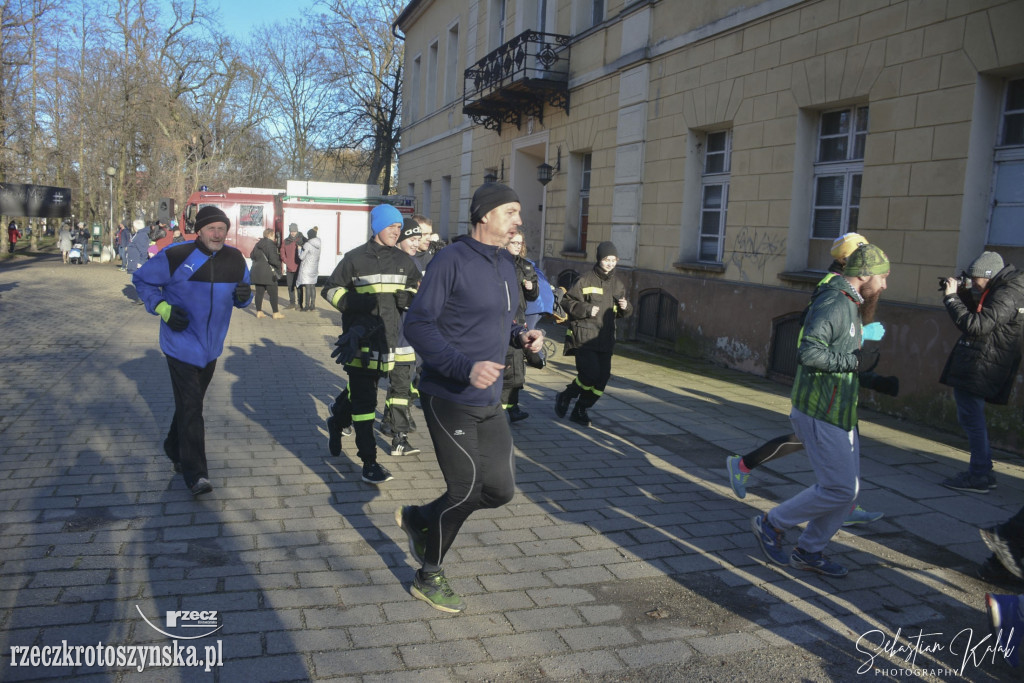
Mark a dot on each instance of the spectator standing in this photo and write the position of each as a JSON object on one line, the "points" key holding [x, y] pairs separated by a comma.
{"points": [[527, 289], [594, 302], [13, 234], [138, 248], [290, 259], [64, 241], [309, 268], [266, 268], [461, 324], [423, 251], [124, 238], [982, 366], [194, 299], [824, 414]]}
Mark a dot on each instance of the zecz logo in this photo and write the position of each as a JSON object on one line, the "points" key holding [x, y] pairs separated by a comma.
{"points": [[208, 620]]}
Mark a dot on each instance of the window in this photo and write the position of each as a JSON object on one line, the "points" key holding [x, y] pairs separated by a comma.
{"points": [[431, 102], [414, 90], [1007, 209], [445, 209], [584, 202], [589, 13], [427, 198], [714, 195], [837, 172], [250, 215], [497, 24], [451, 65]]}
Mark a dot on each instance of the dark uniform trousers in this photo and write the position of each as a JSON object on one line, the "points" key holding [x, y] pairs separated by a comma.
{"points": [[593, 370]]}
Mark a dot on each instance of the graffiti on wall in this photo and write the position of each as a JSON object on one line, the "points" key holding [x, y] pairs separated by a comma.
{"points": [[752, 249]]}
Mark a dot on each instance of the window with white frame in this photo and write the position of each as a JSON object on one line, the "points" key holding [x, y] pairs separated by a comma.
{"points": [[838, 168], [588, 13], [497, 19], [714, 195], [584, 202], [1006, 220]]}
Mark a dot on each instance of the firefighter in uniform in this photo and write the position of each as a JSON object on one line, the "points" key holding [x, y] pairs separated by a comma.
{"points": [[371, 287], [593, 303]]}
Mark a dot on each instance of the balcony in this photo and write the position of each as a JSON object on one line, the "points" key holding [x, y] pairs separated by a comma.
{"points": [[517, 80]]}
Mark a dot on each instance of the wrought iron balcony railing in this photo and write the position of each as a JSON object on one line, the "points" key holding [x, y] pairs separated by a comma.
{"points": [[518, 79]]}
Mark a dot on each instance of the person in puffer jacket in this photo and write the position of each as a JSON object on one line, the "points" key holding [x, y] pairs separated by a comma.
{"points": [[983, 364], [824, 414], [593, 304], [194, 287]]}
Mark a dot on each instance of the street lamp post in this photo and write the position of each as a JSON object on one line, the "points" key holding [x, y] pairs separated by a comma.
{"points": [[111, 172]]}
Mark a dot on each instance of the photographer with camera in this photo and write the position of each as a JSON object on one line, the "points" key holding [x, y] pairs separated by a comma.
{"points": [[987, 305]]}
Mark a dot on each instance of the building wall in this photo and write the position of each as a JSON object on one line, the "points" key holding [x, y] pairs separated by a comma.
{"points": [[654, 78]]}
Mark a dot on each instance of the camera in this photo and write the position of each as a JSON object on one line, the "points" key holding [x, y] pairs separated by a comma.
{"points": [[963, 281]]}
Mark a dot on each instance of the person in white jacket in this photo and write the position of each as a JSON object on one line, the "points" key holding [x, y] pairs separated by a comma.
{"points": [[309, 268]]}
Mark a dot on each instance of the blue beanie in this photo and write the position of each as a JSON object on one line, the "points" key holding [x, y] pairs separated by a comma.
{"points": [[384, 215]]}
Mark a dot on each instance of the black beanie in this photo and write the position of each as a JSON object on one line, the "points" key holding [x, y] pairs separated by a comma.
{"points": [[606, 249], [410, 228], [211, 214], [489, 196]]}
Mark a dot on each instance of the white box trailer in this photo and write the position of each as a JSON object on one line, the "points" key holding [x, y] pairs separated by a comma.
{"points": [[340, 211]]}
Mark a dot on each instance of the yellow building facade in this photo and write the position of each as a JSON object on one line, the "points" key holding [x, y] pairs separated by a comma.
{"points": [[723, 146]]}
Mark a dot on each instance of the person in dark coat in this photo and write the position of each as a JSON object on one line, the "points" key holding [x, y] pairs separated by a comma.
{"points": [[983, 364], [515, 365], [266, 269], [593, 303]]}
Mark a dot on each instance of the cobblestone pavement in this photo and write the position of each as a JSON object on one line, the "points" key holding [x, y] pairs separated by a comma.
{"points": [[624, 555]]}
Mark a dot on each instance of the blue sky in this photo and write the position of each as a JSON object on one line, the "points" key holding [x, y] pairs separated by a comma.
{"points": [[241, 16]]}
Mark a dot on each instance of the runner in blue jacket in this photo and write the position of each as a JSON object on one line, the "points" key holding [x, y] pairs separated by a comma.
{"points": [[193, 287]]}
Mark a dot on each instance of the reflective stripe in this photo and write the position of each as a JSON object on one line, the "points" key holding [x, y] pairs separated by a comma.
{"points": [[593, 290], [397, 402], [383, 288], [365, 417], [582, 386], [335, 295], [379, 278], [405, 357]]}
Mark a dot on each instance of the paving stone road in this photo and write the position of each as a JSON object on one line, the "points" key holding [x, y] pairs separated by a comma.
{"points": [[623, 557]]}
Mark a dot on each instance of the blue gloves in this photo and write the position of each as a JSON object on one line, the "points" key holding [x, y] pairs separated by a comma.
{"points": [[347, 346], [874, 332]]}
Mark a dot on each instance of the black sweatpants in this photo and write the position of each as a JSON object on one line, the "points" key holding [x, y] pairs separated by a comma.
{"points": [[290, 278], [474, 451], [187, 435]]}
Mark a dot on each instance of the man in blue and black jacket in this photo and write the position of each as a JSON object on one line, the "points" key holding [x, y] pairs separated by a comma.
{"points": [[193, 287]]}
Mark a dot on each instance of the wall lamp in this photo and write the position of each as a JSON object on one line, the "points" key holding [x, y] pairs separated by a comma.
{"points": [[545, 171]]}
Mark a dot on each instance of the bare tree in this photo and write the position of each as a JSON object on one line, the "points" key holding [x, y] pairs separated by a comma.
{"points": [[300, 92], [369, 63]]}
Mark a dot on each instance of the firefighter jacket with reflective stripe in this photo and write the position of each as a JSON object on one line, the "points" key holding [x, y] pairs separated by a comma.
{"points": [[826, 381], [367, 287], [595, 333]]}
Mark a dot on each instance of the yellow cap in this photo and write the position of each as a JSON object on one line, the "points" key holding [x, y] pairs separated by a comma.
{"points": [[846, 244]]}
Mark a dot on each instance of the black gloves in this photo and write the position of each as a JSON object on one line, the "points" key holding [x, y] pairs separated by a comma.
{"points": [[178, 320], [242, 292], [347, 346], [890, 386], [176, 317], [535, 360], [867, 359], [403, 299]]}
